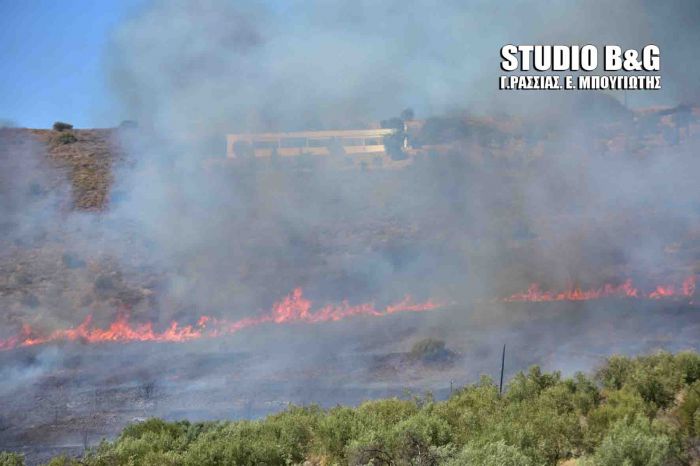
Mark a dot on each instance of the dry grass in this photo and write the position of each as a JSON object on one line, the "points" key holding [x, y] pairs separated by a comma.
{"points": [[88, 162]]}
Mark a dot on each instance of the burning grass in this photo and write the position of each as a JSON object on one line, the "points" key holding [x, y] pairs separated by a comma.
{"points": [[624, 290], [293, 308]]}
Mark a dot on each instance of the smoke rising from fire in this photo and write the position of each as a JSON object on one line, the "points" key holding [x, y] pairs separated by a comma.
{"points": [[219, 67], [191, 73], [220, 241]]}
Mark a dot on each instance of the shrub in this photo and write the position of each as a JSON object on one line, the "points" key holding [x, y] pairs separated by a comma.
{"points": [[657, 377], [61, 126], [470, 410], [11, 459], [63, 461], [619, 404], [689, 365], [336, 430], [492, 454], [245, 443], [634, 442], [154, 426], [689, 410], [527, 387], [408, 114], [64, 138], [585, 393], [430, 350]]}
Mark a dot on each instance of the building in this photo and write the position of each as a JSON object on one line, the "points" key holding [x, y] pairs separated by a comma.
{"points": [[361, 143]]}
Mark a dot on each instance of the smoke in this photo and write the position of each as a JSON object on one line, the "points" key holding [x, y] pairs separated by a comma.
{"points": [[191, 74], [27, 205], [218, 67], [561, 189], [183, 240]]}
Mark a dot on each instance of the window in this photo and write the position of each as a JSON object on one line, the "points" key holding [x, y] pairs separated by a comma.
{"points": [[352, 141], [293, 142], [265, 144], [321, 142]]}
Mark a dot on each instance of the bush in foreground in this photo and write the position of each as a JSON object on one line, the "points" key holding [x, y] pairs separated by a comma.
{"points": [[632, 412], [11, 459]]}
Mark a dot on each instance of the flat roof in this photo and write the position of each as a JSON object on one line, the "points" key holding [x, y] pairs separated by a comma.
{"points": [[357, 133]]}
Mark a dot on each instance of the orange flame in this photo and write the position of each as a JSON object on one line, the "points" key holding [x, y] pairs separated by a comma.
{"points": [[293, 308], [624, 290]]}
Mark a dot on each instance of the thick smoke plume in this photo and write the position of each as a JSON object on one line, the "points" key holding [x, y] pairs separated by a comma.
{"points": [[191, 73], [217, 67]]}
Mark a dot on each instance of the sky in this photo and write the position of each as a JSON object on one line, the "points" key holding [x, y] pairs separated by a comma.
{"points": [[54, 55], [52, 61]]}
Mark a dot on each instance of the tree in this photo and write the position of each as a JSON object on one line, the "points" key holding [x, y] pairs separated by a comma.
{"points": [[62, 126], [634, 442], [407, 114], [11, 459]]}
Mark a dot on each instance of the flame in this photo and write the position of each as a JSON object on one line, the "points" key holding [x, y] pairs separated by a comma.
{"points": [[292, 308], [625, 290], [687, 289], [296, 308]]}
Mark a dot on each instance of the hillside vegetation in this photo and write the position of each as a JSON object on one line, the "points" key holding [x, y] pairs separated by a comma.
{"points": [[642, 411], [86, 157]]}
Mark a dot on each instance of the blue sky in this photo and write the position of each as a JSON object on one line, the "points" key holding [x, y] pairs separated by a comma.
{"points": [[52, 57], [52, 65]]}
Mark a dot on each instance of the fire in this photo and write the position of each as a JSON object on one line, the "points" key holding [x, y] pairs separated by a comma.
{"points": [[687, 289], [625, 290], [293, 308]]}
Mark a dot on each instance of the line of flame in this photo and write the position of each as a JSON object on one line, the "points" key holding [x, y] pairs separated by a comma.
{"points": [[293, 308], [625, 290]]}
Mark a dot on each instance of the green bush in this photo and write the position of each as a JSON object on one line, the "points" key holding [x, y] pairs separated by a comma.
{"points": [[634, 442], [430, 350], [11, 459], [615, 373], [336, 430], [63, 461], [491, 454], [61, 126], [689, 410]]}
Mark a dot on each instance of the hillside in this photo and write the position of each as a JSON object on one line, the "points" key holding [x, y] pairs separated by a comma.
{"points": [[88, 157], [86, 161]]}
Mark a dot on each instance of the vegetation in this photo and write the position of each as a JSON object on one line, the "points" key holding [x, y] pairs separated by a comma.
{"points": [[431, 350], [641, 411], [61, 126], [63, 137], [11, 459]]}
